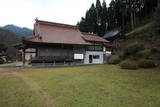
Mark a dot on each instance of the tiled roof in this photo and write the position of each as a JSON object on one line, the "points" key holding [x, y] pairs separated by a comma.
{"points": [[56, 33], [93, 38], [56, 24], [33, 39]]}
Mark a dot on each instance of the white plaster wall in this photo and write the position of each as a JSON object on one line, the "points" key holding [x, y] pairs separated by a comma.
{"points": [[94, 61], [28, 56]]}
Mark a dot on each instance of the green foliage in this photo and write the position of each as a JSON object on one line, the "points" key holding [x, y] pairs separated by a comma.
{"points": [[122, 56], [125, 14], [128, 64], [95, 19], [145, 63], [144, 53], [133, 48], [88, 24], [1, 61], [114, 59], [8, 40], [155, 50], [141, 29], [157, 18]]}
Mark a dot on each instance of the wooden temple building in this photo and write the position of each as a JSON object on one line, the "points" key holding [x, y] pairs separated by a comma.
{"points": [[61, 43]]}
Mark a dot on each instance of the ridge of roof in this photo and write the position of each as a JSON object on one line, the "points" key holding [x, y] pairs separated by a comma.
{"points": [[91, 34], [56, 24], [93, 37], [54, 33]]}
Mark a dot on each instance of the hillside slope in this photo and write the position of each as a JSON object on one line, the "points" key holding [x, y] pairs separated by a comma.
{"points": [[20, 31], [9, 39], [144, 36], [141, 28]]}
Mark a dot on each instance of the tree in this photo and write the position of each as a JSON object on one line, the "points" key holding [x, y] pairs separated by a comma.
{"points": [[91, 19], [124, 14], [157, 18], [104, 17], [98, 11], [88, 24]]}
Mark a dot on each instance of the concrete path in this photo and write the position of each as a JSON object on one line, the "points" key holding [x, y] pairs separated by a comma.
{"points": [[15, 64]]}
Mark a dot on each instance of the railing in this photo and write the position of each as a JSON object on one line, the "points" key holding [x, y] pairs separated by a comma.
{"points": [[52, 59]]}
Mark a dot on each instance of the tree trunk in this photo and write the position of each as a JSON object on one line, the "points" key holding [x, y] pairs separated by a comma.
{"points": [[134, 18], [132, 21]]}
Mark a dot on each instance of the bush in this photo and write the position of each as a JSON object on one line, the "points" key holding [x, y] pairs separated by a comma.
{"points": [[133, 48], [145, 63], [129, 64], [155, 50], [114, 59], [1, 61], [144, 53], [122, 56]]}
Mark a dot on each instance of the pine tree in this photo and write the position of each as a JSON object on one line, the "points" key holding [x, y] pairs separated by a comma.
{"points": [[104, 18], [82, 25], [157, 18], [91, 19], [126, 14]]}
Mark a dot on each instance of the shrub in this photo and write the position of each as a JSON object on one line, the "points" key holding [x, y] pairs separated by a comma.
{"points": [[144, 53], [145, 63], [133, 48], [128, 64], [1, 61], [155, 50], [122, 56], [114, 59]]}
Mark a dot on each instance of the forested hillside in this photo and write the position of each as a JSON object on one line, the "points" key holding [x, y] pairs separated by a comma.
{"points": [[9, 39], [19, 31], [139, 21], [124, 14], [11, 35]]}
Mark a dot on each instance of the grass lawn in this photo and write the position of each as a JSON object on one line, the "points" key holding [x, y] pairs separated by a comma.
{"points": [[81, 86]]}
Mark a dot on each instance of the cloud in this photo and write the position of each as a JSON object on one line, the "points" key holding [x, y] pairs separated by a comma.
{"points": [[23, 12]]}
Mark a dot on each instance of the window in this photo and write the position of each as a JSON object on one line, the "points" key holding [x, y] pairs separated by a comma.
{"points": [[95, 48], [96, 56], [78, 56]]}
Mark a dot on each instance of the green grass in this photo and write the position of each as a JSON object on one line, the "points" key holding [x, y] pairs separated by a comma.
{"points": [[15, 93], [81, 86]]}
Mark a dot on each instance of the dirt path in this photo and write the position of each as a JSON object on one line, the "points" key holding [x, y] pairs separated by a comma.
{"points": [[45, 98]]}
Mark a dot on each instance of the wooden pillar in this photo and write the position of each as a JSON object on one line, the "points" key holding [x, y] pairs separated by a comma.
{"points": [[16, 56], [36, 52], [23, 56]]}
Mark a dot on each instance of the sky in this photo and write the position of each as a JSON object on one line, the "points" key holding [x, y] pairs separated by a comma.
{"points": [[24, 12]]}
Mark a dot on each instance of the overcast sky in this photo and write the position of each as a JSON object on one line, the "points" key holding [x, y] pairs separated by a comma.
{"points": [[23, 12]]}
